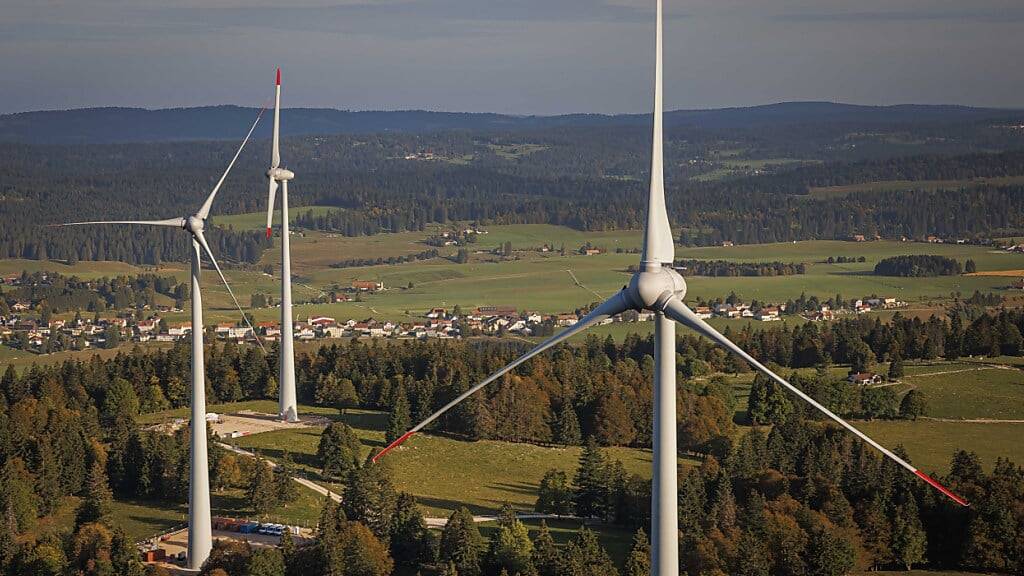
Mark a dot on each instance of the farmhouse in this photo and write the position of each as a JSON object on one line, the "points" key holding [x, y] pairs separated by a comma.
{"points": [[367, 286], [864, 378]]}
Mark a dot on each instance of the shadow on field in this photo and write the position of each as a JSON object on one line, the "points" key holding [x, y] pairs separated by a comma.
{"points": [[376, 421], [517, 488]]}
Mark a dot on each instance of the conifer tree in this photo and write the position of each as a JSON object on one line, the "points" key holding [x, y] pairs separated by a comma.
{"points": [[554, 495], [262, 491], [461, 543], [638, 563], [546, 558], [591, 482], [909, 542], [95, 506], [411, 541], [584, 556], [399, 421], [567, 426]]}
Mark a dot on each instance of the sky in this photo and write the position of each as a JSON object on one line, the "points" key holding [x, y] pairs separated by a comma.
{"points": [[507, 56]]}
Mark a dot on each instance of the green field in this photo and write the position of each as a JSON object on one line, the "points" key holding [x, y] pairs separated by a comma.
{"points": [[969, 391], [904, 185], [931, 444], [441, 472], [539, 281]]}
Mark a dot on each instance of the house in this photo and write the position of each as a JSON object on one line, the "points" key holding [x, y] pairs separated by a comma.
{"points": [[334, 332], [437, 313], [144, 326], [322, 321], [592, 251], [239, 332], [727, 244], [367, 286], [269, 328], [179, 330], [858, 238], [566, 319], [342, 298], [864, 378], [703, 312], [933, 239]]}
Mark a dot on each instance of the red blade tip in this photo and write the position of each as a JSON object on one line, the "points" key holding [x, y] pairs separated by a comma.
{"points": [[268, 232], [941, 488], [278, 76], [392, 446]]}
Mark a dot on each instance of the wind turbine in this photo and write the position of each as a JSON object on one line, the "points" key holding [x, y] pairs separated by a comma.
{"points": [[200, 535], [287, 408], [657, 287]]}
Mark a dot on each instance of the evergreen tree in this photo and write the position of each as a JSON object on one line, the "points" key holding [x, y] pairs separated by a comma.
{"points": [[638, 563], [895, 364], [584, 556], [461, 543], [828, 554], [554, 495], [591, 482], [95, 506], [768, 402], [567, 426], [399, 421], [913, 405], [262, 491], [124, 557], [909, 542], [510, 548], [370, 498], [265, 562], [338, 452], [546, 559], [970, 267], [286, 490], [411, 541]]}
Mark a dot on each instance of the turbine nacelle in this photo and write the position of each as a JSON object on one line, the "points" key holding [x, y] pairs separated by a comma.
{"points": [[280, 174], [194, 224], [651, 288]]}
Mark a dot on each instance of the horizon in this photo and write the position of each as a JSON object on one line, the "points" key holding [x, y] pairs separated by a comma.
{"points": [[523, 58], [522, 115]]}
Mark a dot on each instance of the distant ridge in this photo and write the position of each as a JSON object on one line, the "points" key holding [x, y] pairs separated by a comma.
{"points": [[113, 125]]}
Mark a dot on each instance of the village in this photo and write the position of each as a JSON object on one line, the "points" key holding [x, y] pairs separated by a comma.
{"points": [[26, 331]]}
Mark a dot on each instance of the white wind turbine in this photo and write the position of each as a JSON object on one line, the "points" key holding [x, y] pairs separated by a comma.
{"points": [[287, 408], [200, 535], [657, 287]]}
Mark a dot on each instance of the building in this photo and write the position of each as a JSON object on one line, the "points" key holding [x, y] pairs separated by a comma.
{"points": [[864, 378], [367, 286]]}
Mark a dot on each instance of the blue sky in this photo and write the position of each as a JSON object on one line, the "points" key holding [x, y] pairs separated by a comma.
{"points": [[509, 56]]}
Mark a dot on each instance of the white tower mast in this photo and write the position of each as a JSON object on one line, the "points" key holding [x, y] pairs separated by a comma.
{"points": [[287, 404]]}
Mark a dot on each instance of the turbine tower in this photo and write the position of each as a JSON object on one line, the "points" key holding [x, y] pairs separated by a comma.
{"points": [[200, 535], [287, 408], [657, 287]]}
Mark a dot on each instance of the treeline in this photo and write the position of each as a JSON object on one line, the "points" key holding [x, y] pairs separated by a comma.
{"points": [[694, 267], [358, 262], [55, 293], [918, 265], [584, 178]]}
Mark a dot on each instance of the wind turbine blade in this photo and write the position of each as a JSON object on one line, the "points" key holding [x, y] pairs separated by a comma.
{"points": [[681, 313], [173, 222], [658, 244], [204, 211], [276, 159], [614, 305], [206, 247], [270, 204]]}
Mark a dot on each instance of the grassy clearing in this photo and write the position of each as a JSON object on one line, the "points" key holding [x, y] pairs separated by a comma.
{"points": [[931, 444], [956, 390], [441, 472], [143, 519], [905, 185]]}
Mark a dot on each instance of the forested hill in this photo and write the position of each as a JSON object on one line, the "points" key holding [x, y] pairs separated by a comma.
{"points": [[110, 125]]}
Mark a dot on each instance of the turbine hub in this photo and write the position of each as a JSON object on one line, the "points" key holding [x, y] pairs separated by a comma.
{"points": [[650, 288], [280, 174], [194, 224]]}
